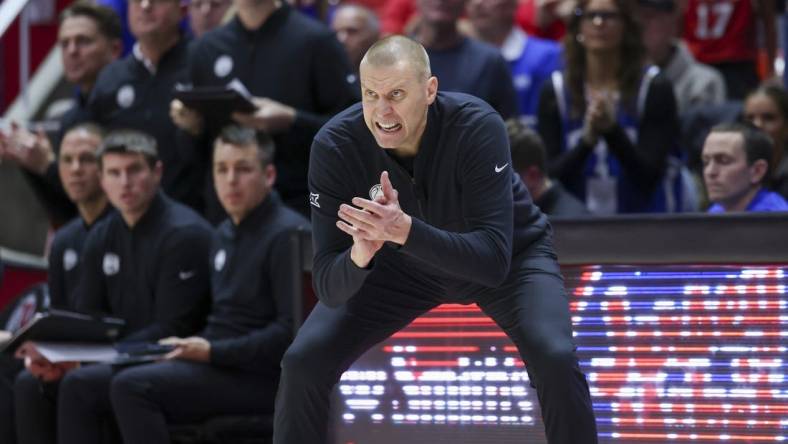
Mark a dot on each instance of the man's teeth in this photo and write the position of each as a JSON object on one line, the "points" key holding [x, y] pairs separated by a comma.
{"points": [[388, 127]]}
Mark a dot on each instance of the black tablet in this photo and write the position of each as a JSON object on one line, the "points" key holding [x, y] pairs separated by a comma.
{"points": [[216, 103]]}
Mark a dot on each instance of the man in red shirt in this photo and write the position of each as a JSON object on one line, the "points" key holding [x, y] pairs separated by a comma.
{"points": [[723, 33]]}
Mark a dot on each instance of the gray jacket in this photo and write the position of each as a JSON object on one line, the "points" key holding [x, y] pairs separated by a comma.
{"points": [[693, 82]]}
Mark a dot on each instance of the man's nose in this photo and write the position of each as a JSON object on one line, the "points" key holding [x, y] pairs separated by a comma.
{"points": [[70, 47], [232, 176], [384, 107], [75, 166]]}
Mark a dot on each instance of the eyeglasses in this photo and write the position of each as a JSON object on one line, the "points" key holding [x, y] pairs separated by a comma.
{"points": [[598, 17]]}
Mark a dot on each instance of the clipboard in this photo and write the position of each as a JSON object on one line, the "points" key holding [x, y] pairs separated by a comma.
{"points": [[217, 102], [66, 326]]}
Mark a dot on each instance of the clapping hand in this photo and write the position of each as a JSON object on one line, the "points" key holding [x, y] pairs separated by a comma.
{"points": [[32, 151], [600, 116], [373, 222]]}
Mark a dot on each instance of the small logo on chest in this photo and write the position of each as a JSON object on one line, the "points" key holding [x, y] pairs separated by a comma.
{"points": [[125, 96], [111, 264], [376, 192], [223, 66], [70, 259], [219, 259]]}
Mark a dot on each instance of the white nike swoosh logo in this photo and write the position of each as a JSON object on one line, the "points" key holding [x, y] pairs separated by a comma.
{"points": [[499, 169], [184, 275]]}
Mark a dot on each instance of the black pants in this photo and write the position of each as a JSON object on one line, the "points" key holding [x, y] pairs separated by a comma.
{"points": [[84, 413], [147, 397], [75, 409], [531, 307], [9, 369], [35, 405]]}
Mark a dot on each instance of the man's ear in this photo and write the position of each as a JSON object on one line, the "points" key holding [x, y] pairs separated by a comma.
{"points": [[270, 175], [158, 170], [432, 89], [116, 50], [758, 171]]}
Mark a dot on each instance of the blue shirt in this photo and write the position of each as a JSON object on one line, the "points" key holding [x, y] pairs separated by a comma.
{"points": [[765, 200], [532, 61], [476, 68]]}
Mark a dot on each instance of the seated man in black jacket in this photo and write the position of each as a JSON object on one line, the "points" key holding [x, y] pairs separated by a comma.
{"points": [[232, 366], [79, 173], [144, 264]]}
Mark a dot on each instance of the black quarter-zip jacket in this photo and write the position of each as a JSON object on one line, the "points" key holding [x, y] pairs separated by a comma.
{"points": [[471, 215], [64, 260], [153, 275], [127, 95], [292, 59], [251, 320]]}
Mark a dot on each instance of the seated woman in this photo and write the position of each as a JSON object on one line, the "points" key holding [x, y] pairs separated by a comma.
{"points": [[609, 122], [767, 108]]}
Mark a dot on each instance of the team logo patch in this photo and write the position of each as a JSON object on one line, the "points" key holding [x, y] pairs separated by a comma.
{"points": [[70, 259], [375, 192], [313, 197], [111, 264], [125, 96], [219, 260], [223, 66], [351, 78]]}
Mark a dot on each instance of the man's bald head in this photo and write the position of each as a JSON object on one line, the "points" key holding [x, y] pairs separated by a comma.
{"points": [[397, 49]]}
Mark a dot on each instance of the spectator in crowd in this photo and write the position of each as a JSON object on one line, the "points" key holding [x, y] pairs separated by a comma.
{"points": [[532, 60], [145, 263], [460, 63], [89, 39], [544, 18], [724, 34], [397, 16], [529, 161], [308, 85], [232, 366], [608, 123], [767, 109], [79, 175], [735, 167], [357, 29], [693, 83], [205, 15], [135, 92]]}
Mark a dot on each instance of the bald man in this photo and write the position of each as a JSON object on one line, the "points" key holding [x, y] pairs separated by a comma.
{"points": [[414, 204], [357, 28]]}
